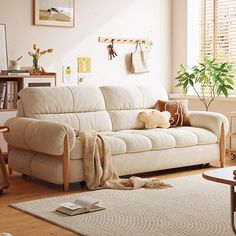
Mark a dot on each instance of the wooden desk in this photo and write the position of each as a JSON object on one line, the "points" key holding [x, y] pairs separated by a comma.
{"points": [[4, 182]]}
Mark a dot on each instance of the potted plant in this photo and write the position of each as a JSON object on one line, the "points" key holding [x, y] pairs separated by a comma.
{"points": [[36, 55], [208, 80]]}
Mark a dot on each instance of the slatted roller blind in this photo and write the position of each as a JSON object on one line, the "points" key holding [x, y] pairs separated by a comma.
{"points": [[207, 28], [218, 30]]}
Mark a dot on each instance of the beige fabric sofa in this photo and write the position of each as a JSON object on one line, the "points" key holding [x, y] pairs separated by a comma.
{"points": [[43, 143]]}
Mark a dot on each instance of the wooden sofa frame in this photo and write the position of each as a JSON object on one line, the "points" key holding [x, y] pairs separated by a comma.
{"points": [[65, 157]]}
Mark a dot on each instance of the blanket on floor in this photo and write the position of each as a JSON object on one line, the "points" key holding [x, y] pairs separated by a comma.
{"points": [[98, 169]]}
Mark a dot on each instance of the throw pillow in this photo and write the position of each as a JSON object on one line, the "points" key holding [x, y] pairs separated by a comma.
{"points": [[155, 119], [178, 110]]}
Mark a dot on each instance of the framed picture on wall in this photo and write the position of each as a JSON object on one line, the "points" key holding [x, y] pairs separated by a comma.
{"points": [[54, 13]]}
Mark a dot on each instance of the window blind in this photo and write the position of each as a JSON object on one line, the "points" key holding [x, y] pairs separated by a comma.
{"points": [[218, 31], [207, 29]]}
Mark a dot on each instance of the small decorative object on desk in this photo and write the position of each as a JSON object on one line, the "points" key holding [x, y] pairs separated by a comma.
{"points": [[15, 64], [15, 72], [36, 55], [234, 172]]}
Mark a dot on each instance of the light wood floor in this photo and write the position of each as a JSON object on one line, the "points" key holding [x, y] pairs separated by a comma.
{"points": [[26, 188]]}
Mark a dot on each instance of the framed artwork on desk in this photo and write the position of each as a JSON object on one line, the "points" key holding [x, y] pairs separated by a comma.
{"points": [[59, 13], [3, 48]]}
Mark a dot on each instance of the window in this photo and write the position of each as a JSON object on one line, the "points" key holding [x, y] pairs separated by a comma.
{"points": [[218, 30]]}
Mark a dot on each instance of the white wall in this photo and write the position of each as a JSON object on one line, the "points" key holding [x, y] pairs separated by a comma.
{"points": [[179, 38], [123, 18], [185, 42]]}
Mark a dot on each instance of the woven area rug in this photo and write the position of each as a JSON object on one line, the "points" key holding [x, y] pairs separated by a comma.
{"points": [[194, 206]]}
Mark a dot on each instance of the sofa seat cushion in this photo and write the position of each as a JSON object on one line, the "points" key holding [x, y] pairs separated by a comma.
{"points": [[183, 138], [159, 140], [117, 146], [204, 136], [131, 141]]}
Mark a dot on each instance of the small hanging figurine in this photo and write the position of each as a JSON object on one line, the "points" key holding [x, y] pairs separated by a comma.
{"points": [[111, 51]]}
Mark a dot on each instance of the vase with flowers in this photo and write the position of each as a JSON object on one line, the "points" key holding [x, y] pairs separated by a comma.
{"points": [[36, 55]]}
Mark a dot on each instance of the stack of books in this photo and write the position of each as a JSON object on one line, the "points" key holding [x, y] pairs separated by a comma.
{"points": [[15, 72], [8, 94]]}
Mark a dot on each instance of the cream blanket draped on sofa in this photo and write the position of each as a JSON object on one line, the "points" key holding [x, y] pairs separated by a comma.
{"points": [[98, 169]]}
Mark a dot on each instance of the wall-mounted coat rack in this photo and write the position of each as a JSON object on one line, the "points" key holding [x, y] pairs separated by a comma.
{"points": [[120, 40]]}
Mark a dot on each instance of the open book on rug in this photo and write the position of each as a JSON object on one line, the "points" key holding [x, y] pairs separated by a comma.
{"points": [[83, 204]]}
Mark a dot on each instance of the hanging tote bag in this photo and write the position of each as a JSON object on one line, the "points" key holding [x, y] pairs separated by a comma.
{"points": [[139, 60]]}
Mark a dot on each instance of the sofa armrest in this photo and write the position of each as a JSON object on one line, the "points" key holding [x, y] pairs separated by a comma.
{"points": [[40, 136], [209, 120]]}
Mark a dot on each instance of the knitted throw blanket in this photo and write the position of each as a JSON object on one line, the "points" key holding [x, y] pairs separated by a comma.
{"points": [[98, 169]]}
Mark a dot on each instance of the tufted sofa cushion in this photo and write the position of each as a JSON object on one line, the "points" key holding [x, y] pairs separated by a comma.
{"points": [[82, 107], [131, 141], [124, 103]]}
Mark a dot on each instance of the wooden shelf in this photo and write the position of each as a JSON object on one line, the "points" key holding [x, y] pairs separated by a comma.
{"points": [[22, 81], [5, 109], [49, 75]]}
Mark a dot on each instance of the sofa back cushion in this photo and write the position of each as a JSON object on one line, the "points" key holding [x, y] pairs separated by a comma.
{"points": [[81, 107], [124, 103]]}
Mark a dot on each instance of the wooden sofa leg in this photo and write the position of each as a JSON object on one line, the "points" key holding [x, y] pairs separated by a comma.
{"points": [[222, 147], [9, 168], [66, 164]]}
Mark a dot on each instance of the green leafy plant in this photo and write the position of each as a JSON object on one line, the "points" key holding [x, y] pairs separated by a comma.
{"points": [[208, 80]]}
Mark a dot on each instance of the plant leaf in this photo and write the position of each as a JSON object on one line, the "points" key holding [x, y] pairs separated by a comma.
{"points": [[218, 91], [185, 90], [225, 91], [191, 83], [228, 86], [229, 80], [179, 85], [192, 76], [185, 83]]}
